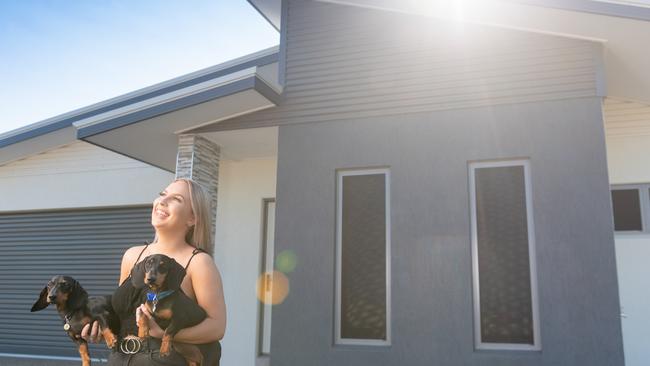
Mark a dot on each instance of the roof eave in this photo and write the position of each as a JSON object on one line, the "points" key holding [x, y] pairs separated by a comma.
{"points": [[270, 10], [596, 7]]}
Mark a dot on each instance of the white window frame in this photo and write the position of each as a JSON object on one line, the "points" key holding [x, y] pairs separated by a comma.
{"points": [[644, 203], [339, 205], [479, 344], [266, 266]]}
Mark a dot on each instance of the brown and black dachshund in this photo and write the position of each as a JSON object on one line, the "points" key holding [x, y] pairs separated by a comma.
{"points": [[77, 309], [172, 309]]}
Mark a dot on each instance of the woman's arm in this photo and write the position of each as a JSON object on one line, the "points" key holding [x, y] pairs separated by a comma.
{"points": [[93, 332], [206, 282], [128, 260]]}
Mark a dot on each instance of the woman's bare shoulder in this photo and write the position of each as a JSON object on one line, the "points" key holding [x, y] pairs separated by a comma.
{"points": [[204, 269], [203, 260]]}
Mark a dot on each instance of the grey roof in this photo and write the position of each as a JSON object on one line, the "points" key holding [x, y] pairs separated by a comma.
{"points": [[260, 58]]}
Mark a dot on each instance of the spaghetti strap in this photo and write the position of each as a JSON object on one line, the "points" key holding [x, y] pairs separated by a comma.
{"points": [[140, 255], [194, 252]]}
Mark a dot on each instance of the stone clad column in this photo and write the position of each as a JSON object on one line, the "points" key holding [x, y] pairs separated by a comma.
{"points": [[198, 159]]}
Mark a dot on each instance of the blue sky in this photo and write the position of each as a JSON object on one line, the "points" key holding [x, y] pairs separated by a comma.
{"points": [[60, 55]]}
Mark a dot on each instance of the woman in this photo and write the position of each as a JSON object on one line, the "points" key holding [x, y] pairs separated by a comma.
{"points": [[182, 220]]}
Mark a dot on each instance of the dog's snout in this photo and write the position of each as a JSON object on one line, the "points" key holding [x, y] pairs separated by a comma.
{"points": [[151, 279], [52, 297]]}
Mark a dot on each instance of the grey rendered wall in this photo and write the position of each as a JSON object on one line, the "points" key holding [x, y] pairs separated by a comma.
{"points": [[428, 155]]}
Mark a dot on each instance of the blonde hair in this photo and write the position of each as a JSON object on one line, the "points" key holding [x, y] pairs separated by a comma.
{"points": [[200, 234]]}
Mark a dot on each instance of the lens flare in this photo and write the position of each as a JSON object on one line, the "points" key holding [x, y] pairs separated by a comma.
{"points": [[272, 287], [286, 261]]}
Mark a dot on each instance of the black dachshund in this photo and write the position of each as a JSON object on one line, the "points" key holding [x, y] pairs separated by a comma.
{"points": [[171, 308], [77, 309]]}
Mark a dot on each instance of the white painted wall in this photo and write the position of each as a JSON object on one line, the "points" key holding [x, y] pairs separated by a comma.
{"points": [[632, 257], [78, 175], [628, 159], [627, 126], [243, 184]]}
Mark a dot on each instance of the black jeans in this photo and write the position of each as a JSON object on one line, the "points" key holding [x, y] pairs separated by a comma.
{"points": [[151, 355]]}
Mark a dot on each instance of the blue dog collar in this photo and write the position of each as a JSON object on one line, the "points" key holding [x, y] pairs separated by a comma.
{"points": [[151, 296]]}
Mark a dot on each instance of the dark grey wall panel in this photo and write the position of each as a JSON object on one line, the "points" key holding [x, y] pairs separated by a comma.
{"points": [[428, 155], [86, 244], [346, 61]]}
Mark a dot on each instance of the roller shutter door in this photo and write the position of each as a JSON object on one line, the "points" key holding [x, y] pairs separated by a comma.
{"points": [[86, 244]]}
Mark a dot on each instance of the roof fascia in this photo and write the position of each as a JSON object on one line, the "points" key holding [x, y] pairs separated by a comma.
{"points": [[591, 6], [127, 117], [265, 16]]}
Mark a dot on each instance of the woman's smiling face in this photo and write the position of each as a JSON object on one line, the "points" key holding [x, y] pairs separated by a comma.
{"points": [[172, 208]]}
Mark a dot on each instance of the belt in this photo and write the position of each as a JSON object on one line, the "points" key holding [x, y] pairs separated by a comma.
{"points": [[131, 344]]}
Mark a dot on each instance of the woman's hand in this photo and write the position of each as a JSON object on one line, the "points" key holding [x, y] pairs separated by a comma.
{"points": [[92, 332], [154, 329]]}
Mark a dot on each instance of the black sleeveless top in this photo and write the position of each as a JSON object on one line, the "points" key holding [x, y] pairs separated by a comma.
{"points": [[127, 298]]}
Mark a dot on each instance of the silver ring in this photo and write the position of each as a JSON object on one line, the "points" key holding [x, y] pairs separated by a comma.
{"points": [[130, 345]]}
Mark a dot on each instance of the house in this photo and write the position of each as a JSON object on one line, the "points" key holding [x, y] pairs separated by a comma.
{"points": [[390, 187]]}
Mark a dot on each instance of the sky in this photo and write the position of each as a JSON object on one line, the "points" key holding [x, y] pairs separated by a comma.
{"points": [[60, 55]]}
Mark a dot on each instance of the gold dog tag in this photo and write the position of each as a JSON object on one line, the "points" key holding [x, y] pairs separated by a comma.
{"points": [[66, 326]]}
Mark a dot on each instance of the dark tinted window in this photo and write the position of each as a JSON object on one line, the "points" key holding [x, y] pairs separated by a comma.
{"points": [[627, 210], [363, 257], [503, 256]]}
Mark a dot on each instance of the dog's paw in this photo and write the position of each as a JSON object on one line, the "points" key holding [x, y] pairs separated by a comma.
{"points": [[165, 345], [109, 337], [143, 327]]}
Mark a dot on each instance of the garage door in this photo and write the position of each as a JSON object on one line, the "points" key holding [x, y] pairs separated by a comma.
{"points": [[34, 246]]}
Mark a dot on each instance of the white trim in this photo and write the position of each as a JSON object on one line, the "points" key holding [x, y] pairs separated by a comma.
{"points": [[56, 358], [644, 206], [640, 4], [267, 264], [478, 343], [166, 98], [339, 204]]}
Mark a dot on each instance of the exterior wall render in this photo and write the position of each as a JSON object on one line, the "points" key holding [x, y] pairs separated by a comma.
{"points": [[428, 155], [243, 184]]}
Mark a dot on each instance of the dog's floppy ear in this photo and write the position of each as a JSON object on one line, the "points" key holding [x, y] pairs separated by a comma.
{"points": [[41, 303], [175, 275], [137, 274], [78, 296]]}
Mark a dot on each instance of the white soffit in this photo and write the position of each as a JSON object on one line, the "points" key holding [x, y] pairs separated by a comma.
{"points": [[155, 140], [253, 143], [37, 144], [271, 10], [148, 130]]}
